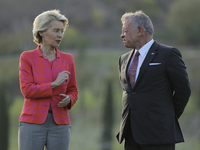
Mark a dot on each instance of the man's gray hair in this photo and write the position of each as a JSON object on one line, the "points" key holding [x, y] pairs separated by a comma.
{"points": [[139, 18]]}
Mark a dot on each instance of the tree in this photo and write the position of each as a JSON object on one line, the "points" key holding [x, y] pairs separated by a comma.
{"points": [[4, 119], [107, 119], [184, 21]]}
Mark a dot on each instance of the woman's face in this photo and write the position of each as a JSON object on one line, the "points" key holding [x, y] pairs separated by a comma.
{"points": [[54, 34]]}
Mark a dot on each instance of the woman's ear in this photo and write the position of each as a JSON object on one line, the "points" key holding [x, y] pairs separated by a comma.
{"points": [[41, 33]]}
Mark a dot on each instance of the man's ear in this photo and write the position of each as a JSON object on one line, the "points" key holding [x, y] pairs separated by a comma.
{"points": [[140, 30]]}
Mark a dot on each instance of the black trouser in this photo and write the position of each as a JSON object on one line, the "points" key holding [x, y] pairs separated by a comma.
{"points": [[130, 143]]}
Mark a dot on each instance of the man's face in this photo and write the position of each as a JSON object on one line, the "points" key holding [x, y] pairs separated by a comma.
{"points": [[129, 36]]}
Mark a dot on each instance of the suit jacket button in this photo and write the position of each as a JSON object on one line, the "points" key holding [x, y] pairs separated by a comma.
{"points": [[133, 93]]}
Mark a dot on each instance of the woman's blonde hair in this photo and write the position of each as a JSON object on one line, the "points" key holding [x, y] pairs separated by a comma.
{"points": [[43, 21]]}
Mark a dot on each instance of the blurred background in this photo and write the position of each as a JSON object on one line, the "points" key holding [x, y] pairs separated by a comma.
{"points": [[93, 38]]}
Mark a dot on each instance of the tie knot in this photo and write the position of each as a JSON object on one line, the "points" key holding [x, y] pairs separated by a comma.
{"points": [[137, 53]]}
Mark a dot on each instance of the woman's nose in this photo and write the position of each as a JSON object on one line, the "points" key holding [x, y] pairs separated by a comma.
{"points": [[60, 34]]}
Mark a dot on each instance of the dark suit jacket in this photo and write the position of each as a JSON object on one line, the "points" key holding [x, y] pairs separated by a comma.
{"points": [[158, 97]]}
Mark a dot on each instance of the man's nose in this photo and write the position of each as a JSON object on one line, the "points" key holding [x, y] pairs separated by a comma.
{"points": [[122, 35]]}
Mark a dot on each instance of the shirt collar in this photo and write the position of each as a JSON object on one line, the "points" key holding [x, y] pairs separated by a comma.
{"points": [[146, 48], [41, 55]]}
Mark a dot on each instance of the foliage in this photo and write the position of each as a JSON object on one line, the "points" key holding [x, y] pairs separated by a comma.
{"points": [[95, 21], [108, 117], [9, 68], [4, 119], [184, 21], [13, 43], [94, 70], [98, 17], [150, 7], [109, 2], [73, 39], [14, 112]]}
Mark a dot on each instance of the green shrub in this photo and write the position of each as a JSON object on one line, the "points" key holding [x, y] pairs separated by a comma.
{"points": [[73, 39], [184, 21]]}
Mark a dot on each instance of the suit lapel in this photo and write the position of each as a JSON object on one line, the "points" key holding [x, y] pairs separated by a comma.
{"points": [[149, 57], [124, 69], [128, 62], [127, 65]]}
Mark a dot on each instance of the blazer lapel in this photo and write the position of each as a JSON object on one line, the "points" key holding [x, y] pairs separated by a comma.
{"points": [[149, 57], [128, 62], [124, 69]]}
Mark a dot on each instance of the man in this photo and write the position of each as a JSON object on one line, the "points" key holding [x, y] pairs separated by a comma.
{"points": [[155, 86]]}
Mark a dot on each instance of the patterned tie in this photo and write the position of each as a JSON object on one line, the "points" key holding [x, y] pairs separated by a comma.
{"points": [[133, 68]]}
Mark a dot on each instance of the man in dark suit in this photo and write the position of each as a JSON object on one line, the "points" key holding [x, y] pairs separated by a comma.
{"points": [[155, 86]]}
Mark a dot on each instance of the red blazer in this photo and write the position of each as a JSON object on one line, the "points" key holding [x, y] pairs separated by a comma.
{"points": [[36, 74]]}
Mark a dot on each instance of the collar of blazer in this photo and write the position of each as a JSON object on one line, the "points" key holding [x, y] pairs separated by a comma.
{"points": [[149, 57]]}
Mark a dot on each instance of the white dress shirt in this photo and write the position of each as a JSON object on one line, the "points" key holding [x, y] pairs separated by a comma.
{"points": [[143, 52]]}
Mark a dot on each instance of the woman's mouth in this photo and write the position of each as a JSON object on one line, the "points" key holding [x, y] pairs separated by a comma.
{"points": [[58, 41]]}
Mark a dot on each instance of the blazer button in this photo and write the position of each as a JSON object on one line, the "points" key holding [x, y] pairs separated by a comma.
{"points": [[133, 93]]}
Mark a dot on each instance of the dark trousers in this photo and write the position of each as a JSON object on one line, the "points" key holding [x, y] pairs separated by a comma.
{"points": [[130, 143]]}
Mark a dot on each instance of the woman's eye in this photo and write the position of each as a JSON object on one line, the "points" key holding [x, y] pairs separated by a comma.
{"points": [[56, 30]]}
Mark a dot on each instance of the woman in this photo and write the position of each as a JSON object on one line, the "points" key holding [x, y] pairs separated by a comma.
{"points": [[48, 84]]}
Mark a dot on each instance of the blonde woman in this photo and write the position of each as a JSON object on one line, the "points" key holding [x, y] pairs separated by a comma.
{"points": [[48, 84]]}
